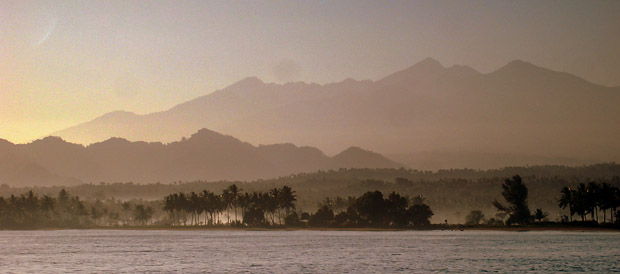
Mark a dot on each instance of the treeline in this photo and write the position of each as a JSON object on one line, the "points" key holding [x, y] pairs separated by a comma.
{"points": [[587, 199], [372, 209], [206, 207], [452, 194], [591, 199], [595, 202], [277, 207], [31, 211], [231, 207]]}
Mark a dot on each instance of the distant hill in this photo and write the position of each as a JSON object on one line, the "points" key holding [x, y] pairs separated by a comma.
{"points": [[521, 113], [356, 157], [206, 155]]}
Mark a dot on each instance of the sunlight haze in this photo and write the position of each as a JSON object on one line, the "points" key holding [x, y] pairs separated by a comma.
{"points": [[67, 62]]}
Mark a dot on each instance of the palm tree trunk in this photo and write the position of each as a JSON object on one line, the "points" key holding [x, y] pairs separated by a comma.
{"points": [[236, 220]]}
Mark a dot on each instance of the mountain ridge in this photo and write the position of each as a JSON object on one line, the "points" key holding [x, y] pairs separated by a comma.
{"points": [[520, 108], [205, 155]]}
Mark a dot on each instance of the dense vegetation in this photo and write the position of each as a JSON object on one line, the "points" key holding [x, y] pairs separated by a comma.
{"points": [[587, 199], [372, 210], [277, 207], [451, 194], [258, 209], [65, 211], [590, 200]]}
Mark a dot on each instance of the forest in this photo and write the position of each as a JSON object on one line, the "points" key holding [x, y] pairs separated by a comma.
{"points": [[452, 194], [277, 208]]}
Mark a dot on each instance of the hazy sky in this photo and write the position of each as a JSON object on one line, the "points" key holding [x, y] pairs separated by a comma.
{"points": [[66, 62]]}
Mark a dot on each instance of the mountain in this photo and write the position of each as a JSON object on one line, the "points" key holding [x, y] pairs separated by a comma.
{"points": [[356, 157], [205, 155], [522, 111]]}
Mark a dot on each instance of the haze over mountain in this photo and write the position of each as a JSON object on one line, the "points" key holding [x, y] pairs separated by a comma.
{"points": [[518, 114], [206, 155]]}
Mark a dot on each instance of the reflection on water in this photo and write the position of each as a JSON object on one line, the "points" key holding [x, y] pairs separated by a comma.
{"points": [[134, 251]]}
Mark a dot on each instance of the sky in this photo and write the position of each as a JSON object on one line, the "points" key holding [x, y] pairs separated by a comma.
{"points": [[68, 62]]}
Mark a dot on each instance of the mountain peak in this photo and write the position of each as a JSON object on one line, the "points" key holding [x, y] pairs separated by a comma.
{"points": [[248, 82], [521, 67], [54, 141], [423, 71], [428, 63], [204, 132], [353, 149], [361, 158], [207, 136], [518, 63], [51, 140]]}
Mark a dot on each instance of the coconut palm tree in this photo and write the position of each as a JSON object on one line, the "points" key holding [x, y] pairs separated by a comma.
{"points": [[276, 200], [593, 199], [567, 200], [235, 193], [287, 199]]}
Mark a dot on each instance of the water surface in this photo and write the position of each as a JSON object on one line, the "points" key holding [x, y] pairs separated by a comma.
{"points": [[135, 251]]}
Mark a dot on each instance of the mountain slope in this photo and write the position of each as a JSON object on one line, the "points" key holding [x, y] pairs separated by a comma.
{"points": [[356, 157], [519, 109], [206, 155]]}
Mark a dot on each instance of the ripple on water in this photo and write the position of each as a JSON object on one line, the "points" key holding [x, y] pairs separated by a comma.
{"points": [[307, 251]]}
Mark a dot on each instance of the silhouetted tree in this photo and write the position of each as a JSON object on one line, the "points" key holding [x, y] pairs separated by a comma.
{"points": [[590, 199], [567, 200], [235, 192], [539, 215], [420, 214], [322, 218], [372, 208], [397, 209], [515, 194]]}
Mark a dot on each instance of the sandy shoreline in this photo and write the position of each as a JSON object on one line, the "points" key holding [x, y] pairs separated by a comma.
{"points": [[546, 228], [455, 228]]}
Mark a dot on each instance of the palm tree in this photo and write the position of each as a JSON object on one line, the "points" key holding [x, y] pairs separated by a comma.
{"points": [[287, 199], [193, 204], [47, 205], [605, 199], [244, 202], [169, 206], [567, 199], [183, 206], [227, 198], [208, 205], [615, 204], [581, 206], [593, 199], [235, 192], [275, 197]]}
